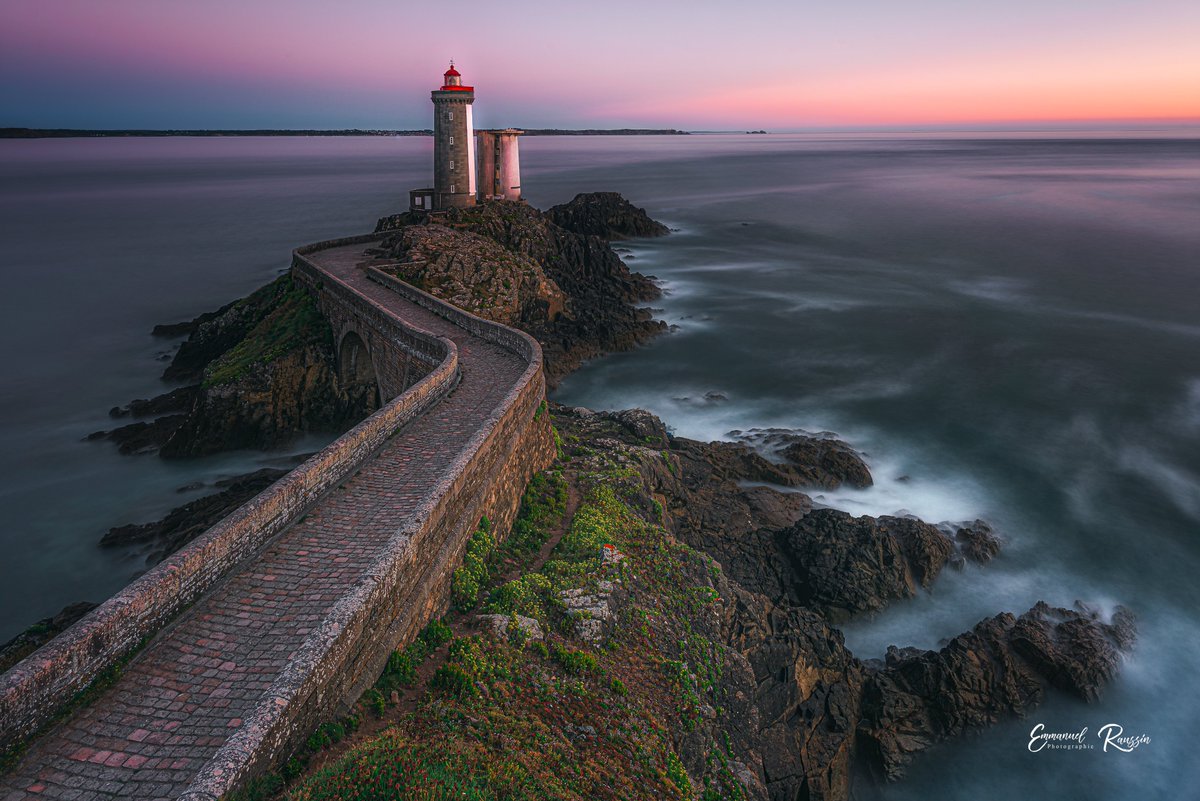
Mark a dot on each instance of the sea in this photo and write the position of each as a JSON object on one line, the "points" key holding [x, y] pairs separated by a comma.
{"points": [[1007, 326]]}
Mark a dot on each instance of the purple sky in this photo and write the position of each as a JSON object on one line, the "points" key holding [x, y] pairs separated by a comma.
{"points": [[693, 65]]}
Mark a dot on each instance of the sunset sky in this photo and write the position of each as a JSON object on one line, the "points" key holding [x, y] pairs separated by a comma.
{"points": [[535, 63]]}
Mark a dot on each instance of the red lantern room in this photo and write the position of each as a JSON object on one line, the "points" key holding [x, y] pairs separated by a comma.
{"points": [[452, 81]]}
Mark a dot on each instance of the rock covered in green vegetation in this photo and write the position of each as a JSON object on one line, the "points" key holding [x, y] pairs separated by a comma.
{"points": [[276, 381], [264, 372]]}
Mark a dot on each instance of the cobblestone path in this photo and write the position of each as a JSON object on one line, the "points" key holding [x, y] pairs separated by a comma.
{"points": [[189, 689]]}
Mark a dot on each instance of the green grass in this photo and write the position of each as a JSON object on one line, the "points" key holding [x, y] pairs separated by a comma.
{"points": [[469, 579], [574, 662], [498, 724], [402, 665], [542, 508], [291, 322]]}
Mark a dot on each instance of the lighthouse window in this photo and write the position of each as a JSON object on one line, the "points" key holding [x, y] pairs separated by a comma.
{"points": [[452, 164], [451, 115], [452, 189], [452, 140]]}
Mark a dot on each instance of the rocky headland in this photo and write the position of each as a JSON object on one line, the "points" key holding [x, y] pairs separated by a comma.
{"points": [[260, 371], [662, 620], [552, 274]]}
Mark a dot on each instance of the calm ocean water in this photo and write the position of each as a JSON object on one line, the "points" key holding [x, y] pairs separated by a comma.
{"points": [[1007, 327]]}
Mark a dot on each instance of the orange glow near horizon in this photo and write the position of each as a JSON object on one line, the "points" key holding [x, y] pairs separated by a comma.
{"points": [[998, 93]]}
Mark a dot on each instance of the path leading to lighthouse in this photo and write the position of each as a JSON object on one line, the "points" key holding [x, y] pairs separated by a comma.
{"points": [[195, 684]]}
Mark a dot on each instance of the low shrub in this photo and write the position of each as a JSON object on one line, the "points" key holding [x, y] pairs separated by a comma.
{"points": [[575, 662], [451, 679]]}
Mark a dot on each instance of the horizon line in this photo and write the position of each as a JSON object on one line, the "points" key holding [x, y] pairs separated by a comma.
{"points": [[1026, 126]]}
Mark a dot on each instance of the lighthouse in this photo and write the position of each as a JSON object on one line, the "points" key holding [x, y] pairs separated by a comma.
{"points": [[456, 148], [453, 143]]}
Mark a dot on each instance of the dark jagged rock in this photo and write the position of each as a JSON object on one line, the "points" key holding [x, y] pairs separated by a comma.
{"points": [[174, 330], [829, 462], [807, 690], [174, 402], [712, 511], [41, 633], [606, 215], [846, 565], [142, 437], [163, 537], [820, 460], [977, 542], [644, 426], [1000, 668]]}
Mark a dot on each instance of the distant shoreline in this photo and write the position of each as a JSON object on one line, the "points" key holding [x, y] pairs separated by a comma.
{"points": [[80, 133]]}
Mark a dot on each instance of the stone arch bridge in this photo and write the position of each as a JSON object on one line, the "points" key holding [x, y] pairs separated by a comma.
{"points": [[242, 642]]}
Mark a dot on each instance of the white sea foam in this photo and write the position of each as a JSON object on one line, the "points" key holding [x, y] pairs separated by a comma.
{"points": [[901, 489]]}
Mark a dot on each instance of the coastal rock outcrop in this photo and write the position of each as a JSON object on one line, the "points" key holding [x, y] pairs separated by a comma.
{"points": [[264, 368], [568, 290], [606, 215], [1000, 668], [477, 274], [977, 542], [845, 565], [821, 460], [163, 537]]}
